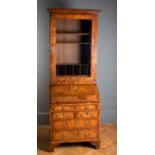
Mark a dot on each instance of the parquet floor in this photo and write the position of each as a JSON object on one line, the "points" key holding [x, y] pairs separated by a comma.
{"points": [[108, 144]]}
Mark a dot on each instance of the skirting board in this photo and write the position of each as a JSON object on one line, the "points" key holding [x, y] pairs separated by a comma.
{"points": [[43, 118]]}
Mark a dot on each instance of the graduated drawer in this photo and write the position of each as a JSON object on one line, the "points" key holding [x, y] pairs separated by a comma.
{"points": [[75, 135], [74, 124], [87, 114], [66, 107], [91, 123], [62, 115]]}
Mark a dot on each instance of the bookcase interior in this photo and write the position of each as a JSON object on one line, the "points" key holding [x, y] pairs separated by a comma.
{"points": [[73, 47]]}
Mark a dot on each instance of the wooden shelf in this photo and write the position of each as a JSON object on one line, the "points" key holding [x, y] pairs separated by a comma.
{"points": [[86, 43], [69, 64], [72, 33]]}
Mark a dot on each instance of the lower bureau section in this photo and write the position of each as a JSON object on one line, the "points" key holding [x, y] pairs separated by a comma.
{"points": [[74, 122], [75, 135]]}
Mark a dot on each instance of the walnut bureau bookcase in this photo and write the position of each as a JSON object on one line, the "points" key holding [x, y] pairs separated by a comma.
{"points": [[74, 97]]}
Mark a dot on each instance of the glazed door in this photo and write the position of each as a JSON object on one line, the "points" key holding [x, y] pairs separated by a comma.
{"points": [[73, 55]]}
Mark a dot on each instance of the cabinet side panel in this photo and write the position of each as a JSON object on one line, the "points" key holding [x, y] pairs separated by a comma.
{"points": [[52, 48], [94, 46]]}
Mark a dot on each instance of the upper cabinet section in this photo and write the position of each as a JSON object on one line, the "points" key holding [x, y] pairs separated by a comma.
{"points": [[73, 42]]}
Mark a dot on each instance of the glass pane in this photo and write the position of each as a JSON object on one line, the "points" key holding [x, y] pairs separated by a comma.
{"points": [[73, 47]]}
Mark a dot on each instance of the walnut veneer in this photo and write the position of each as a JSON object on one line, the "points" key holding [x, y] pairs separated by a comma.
{"points": [[74, 97]]}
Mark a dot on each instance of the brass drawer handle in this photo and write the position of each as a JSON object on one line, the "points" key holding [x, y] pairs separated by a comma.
{"points": [[65, 125], [74, 87], [65, 115]]}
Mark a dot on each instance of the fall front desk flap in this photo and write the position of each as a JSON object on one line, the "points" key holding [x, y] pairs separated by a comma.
{"points": [[74, 93]]}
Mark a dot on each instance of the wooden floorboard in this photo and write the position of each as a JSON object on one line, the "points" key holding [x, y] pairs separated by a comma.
{"points": [[108, 143]]}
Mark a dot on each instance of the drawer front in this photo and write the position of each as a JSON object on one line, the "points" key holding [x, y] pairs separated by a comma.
{"points": [[64, 107], [87, 114], [74, 124], [62, 115], [86, 123], [65, 90], [75, 135], [60, 125]]}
